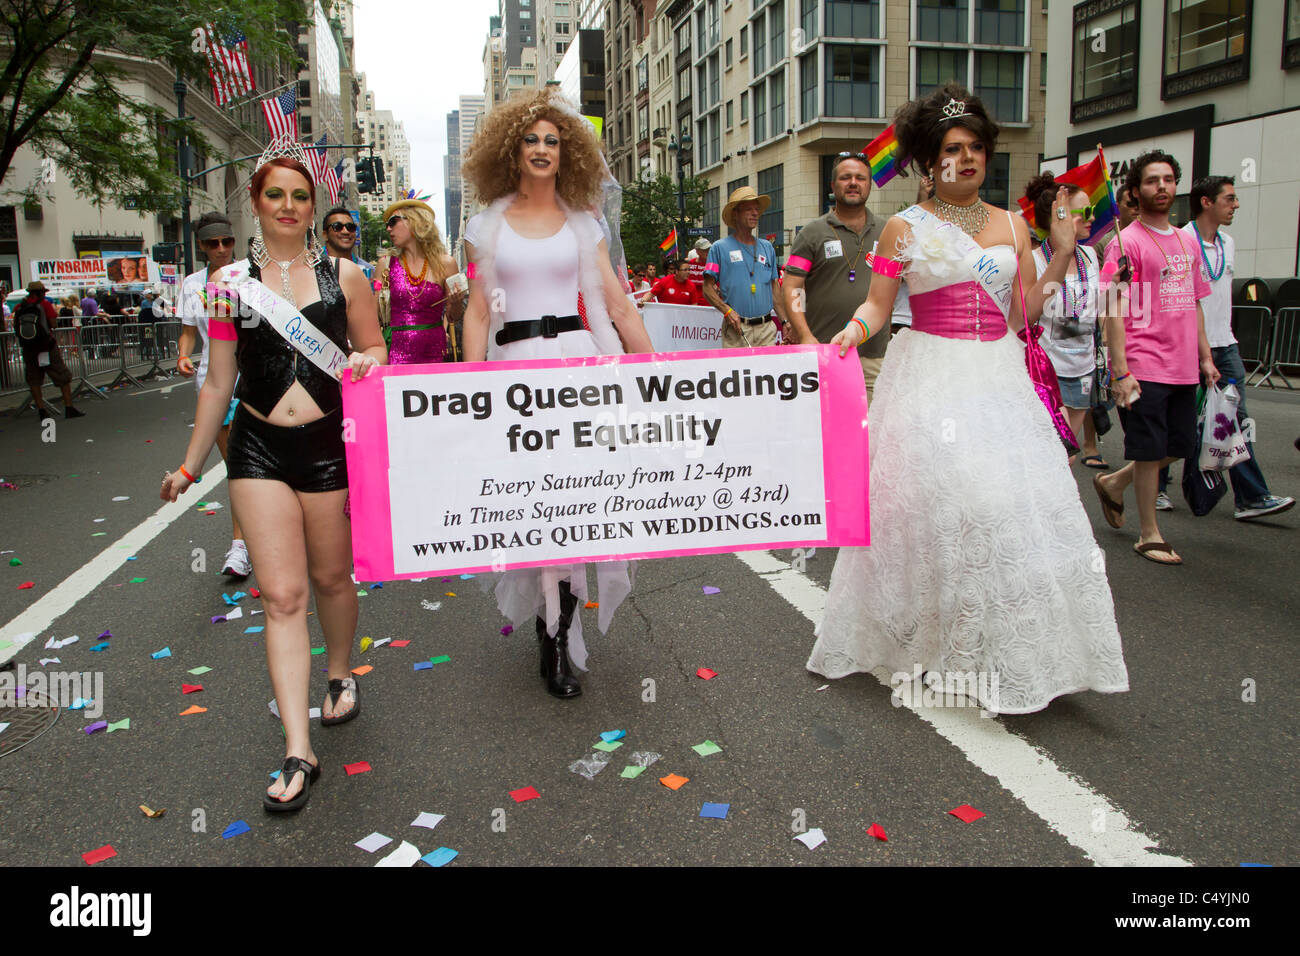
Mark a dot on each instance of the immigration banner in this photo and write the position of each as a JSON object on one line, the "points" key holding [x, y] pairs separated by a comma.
{"points": [[682, 328], [493, 466]]}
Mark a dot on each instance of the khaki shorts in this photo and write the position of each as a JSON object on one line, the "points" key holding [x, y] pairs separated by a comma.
{"points": [[871, 372], [754, 335], [57, 370]]}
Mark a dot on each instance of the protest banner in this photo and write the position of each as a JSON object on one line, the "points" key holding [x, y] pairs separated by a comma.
{"points": [[682, 328], [492, 466]]}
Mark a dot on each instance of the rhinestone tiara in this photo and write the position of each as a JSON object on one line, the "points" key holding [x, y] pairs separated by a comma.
{"points": [[954, 109], [283, 146]]}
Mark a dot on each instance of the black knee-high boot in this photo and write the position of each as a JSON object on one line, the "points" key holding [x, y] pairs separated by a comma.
{"points": [[560, 681]]}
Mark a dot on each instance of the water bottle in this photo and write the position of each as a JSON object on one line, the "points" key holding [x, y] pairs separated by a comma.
{"points": [[1231, 394]]}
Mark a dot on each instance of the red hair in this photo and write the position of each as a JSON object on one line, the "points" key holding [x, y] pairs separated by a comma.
{"points": [[283, 162]]}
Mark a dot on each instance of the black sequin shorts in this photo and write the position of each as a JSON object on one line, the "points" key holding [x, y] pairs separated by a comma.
{"points": [[307, 458]]}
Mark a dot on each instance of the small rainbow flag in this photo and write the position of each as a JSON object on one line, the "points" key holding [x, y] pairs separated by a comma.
{"points": [[882, 154], [670, 241], [1094, 179]]}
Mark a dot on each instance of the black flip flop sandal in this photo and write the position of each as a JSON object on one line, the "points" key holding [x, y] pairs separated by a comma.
{"points": [[291, 766], [1094, 461], [337, 687]]}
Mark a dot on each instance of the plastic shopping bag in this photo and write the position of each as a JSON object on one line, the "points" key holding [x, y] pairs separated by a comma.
{"points": [[1201, 489], [1222, 444]]}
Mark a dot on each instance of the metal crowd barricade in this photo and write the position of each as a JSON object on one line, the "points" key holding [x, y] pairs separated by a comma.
{"points": [[1253, 327], [145, 344], [1284, 349], [12, 374]]}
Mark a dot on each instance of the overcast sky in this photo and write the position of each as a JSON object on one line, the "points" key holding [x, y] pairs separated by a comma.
{"points": [[418, 60]]}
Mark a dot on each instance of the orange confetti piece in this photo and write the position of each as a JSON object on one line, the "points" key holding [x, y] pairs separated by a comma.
{"points": [[363, 670], [196, 709], [673, 781], [591, 604]]}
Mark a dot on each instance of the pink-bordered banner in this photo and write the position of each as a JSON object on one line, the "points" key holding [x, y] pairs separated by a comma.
{"points": [[472, 467]]}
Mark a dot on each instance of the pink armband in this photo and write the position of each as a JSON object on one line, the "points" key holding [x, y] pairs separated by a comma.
{"points": [[885, 267], [471, 272], [221, 330], [712, 267], [798, 262]]}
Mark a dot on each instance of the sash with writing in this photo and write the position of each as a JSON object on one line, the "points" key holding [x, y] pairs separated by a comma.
{"points": [[282, 316]]}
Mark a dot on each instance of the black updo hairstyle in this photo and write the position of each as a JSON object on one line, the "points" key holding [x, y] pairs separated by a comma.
{"points": [[920, 126]]}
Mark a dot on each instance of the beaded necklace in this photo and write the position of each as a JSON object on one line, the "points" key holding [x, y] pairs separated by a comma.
{"points": [[1070, 298], [1222, 256]]}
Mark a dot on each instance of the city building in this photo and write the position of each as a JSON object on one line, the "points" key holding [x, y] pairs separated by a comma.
{"points": [[451, 178], [391, 146], [1216, 85]]}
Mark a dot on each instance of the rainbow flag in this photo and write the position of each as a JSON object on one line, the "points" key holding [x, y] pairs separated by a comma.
{"points": [[1094, 179], [670, 241], [883, 157]]}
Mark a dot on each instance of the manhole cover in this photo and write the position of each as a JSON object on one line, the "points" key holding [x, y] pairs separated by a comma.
{"points": [[36, 715]]}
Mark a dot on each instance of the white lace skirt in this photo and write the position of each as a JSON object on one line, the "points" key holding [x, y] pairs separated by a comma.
{"points": [[982, 558]]}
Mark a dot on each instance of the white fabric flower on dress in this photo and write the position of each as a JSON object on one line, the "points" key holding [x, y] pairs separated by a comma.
{"points": [[935, 250]]}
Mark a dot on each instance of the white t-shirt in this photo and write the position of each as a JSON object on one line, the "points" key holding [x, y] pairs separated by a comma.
{"points": [[1217, 306], [194, 314], [1067, 340]]}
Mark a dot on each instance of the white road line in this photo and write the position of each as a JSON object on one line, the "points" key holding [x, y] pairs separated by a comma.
{"points": [[49, 608], [165, 389], [1065, 803]]}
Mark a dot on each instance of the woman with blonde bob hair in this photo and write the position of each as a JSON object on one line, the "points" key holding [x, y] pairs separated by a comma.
{"points": [[418, 279], [541, 285]]}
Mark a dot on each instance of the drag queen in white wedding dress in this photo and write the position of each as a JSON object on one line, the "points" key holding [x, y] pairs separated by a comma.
{"points": [[982, 559]]}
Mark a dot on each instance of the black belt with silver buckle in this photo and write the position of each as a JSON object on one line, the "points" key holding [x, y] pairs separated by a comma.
{"points": [[547, 327], [758, 321]]}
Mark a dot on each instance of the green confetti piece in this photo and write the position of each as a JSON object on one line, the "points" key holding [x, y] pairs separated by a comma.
{"points": [[138, 580], [123, 724], [609, 746], [99, 534], [441, 659], [14, 562], [317, 650], [707, 748], [631, 773], [199, 671]]}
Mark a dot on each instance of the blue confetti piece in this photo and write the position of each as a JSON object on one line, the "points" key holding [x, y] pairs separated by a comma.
{"points": [[422, 666], [715, 811], [441, 856], [101, 646], [377, 585], [81, 703], [467, 577], [159, 655], [236, 828], [610, 736], [133, 558], [275, 775], [258, 629], [1269, 865]]}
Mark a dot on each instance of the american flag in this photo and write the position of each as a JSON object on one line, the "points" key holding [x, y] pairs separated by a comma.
{"points": [[334, 181], [228, 64], [317, 161], [282, 113]]}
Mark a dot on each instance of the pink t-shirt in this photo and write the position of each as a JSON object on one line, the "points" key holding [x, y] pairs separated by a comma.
{"points": [[1160, 323]]}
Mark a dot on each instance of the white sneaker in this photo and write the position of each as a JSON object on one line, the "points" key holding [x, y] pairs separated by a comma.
{"points": [[1268, 505], [237, 565], [1163, 503]]}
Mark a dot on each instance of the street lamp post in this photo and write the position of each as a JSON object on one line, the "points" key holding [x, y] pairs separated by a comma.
{"points": [[680, 149], [183, 168]]}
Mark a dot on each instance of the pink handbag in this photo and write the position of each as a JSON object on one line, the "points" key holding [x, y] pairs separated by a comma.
{"points": [[1041, 372]]}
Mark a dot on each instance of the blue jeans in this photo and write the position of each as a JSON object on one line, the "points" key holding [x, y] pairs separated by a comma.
{"points": [[1248, 484]]}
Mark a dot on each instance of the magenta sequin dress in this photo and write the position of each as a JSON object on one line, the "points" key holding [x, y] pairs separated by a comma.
{"points": [[415, 318]]}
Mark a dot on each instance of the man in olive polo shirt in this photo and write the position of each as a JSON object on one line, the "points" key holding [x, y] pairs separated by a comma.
{"points": [[826, 276]]}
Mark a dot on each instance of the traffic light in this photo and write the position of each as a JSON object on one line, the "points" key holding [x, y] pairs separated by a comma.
{"points": [[379, 168], [169, 252], [366, 182]]}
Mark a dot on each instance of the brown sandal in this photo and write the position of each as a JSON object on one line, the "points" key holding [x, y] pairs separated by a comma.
{"points": [[1112, 509], [1164, 546]]}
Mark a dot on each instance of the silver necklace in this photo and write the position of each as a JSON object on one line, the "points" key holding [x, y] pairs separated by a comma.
{"points": [[970, 219], [285, 287]]}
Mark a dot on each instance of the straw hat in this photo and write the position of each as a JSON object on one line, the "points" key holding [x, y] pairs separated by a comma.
{"points": [[744, 194]]}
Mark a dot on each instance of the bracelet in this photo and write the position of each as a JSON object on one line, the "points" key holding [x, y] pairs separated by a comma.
{"points": [[190, 478], [1120, 378], [866, 332]]}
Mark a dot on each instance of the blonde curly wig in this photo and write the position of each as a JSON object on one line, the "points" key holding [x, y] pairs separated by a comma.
{"points": [[424, 229], [492, 164]]}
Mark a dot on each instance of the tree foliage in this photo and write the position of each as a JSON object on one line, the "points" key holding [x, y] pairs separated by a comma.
{"points": [[373, 235], [62, 90], [650, 212]]}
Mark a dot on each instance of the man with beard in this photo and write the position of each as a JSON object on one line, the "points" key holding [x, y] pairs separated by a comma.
{"points": [[1158, 350], [826, 276]]}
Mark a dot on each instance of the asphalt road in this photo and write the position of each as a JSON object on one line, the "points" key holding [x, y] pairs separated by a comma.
{"points": [[1207, 776]]}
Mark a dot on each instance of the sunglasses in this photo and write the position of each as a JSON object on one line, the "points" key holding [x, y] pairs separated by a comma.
{"points": [[225, 242], [1089, 213], [393, 220], [342, 227]]}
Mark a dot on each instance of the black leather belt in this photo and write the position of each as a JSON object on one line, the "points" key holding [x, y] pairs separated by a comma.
{"points": [[548, 327], [758, 321]]}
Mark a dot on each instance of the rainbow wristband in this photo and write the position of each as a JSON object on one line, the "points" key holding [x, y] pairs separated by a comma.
{"points": [[1120, 378], [866, 332]]}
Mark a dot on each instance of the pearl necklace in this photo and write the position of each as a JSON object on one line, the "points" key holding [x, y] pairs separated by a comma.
{"points": [[970, 219]]}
